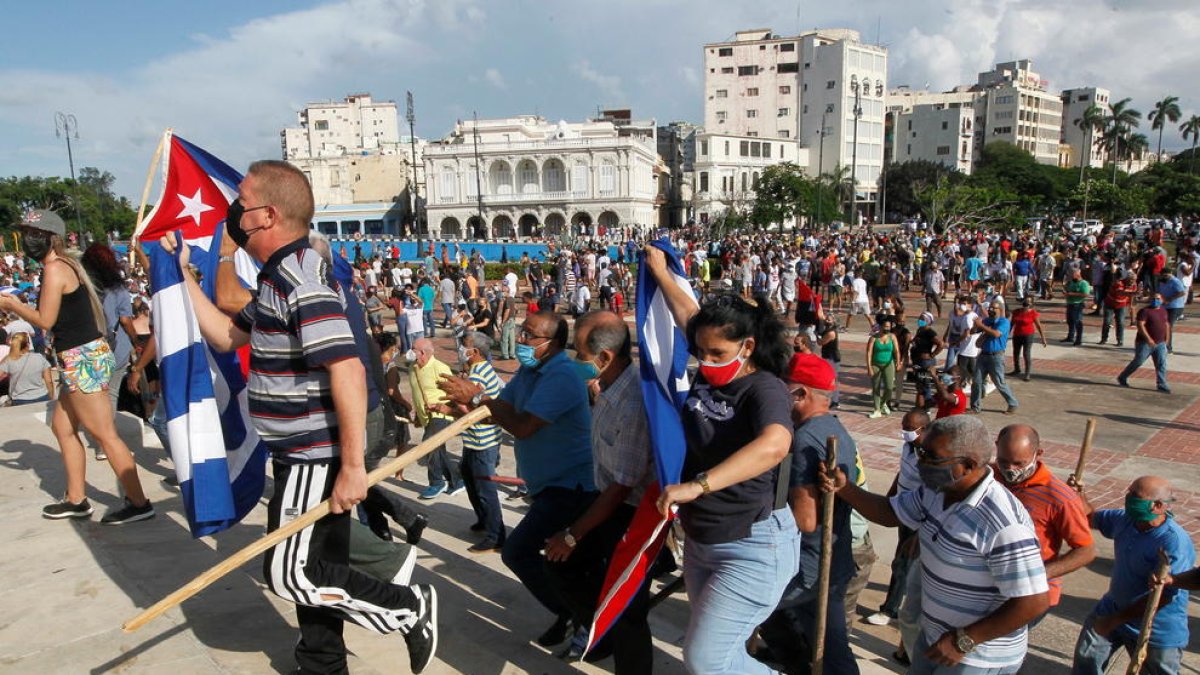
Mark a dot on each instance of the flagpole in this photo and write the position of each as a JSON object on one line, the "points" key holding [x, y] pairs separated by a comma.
{"points": [[304, 520], [154, 162]]}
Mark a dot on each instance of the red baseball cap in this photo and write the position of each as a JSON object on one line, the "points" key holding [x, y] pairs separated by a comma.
{"points": [[811, 370]]}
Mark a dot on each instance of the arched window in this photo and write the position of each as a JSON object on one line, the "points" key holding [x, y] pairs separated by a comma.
{"points": [[500, 179], [527, 175], [447, 189], [554, 178]]}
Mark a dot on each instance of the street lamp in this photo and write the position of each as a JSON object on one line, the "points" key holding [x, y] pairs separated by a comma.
{"points": [[859, 89], [64, 126], [821, 165], [412, 140]]}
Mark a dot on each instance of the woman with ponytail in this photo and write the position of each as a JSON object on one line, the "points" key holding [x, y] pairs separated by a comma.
{"points": [[69, 308], [742, 546]]}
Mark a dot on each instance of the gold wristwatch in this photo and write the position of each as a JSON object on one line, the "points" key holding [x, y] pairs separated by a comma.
{"points": [[701, 479]]}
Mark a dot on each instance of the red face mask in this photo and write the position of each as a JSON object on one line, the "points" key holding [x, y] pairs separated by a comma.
{"points": [[721, 374]]}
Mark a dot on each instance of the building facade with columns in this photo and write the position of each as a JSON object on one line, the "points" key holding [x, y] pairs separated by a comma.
{"points": [[520, 177]]}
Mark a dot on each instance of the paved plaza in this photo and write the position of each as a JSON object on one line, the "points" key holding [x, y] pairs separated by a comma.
{"points": [[72, 584]]}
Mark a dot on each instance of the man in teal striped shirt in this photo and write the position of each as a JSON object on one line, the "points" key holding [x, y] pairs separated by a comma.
{"points": [[481, 449]]}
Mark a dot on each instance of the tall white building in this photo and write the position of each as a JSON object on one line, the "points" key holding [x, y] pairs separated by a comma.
{"points": [[1016, 107], [933, 126], [352, 151], [807, 88], [1075, 102], [728, 167], [523, 176]]}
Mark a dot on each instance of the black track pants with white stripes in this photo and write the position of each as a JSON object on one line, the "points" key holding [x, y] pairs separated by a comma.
{"points": [[311, 568]]}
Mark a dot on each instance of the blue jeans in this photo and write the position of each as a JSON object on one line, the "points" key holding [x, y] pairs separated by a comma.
{"points": [[1093, 653], [990, 365], [477, 465], [447, 312], [1113, 316], [923, 666], [427, 317], [1075, 322], [553, 510], [402, 333], [733, 587], [440, 471], [1143, 351]]}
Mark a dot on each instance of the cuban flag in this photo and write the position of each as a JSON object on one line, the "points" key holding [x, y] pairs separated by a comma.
{"points": [[219, 460], [663, 359]]}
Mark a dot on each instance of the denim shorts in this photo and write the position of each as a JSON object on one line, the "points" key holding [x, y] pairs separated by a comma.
{"points": [[88, 367]]}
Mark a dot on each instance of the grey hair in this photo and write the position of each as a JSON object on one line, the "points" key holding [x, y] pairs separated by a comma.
{"points": [[968, 437], [614, 337], [480, 341], [320, 244]]}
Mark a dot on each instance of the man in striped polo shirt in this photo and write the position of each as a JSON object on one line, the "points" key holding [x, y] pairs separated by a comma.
{"points": [[1057, 512], [982, 578], [308, 404], [481, 448]]}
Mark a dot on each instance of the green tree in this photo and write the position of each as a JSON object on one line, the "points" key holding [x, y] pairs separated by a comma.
{"points": [[1091, 121], [1166, 110], [781, 195], [1191, 128], [100, 209], [1118, 125], [904, 179]]}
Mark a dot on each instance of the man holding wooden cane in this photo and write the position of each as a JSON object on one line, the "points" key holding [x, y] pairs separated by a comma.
{"points": [[308, 404], [1138, 532], [983, 579]]}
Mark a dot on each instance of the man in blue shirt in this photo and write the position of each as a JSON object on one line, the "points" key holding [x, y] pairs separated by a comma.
{"points": [[1174, 295], [1138, 531], [1022, 269], [546, 409], [993, 340]]}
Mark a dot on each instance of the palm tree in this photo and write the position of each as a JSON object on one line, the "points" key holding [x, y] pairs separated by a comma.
{"points": [[1119, 123], [1191, 128], [1136, 145], [1091, 121], [1166, 110]]}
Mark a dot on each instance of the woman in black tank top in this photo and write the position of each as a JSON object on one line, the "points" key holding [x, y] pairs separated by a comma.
{"points": [[68, 307]]}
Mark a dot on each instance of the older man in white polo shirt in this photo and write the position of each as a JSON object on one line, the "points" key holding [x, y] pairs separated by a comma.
{"points": [[982, 579]]}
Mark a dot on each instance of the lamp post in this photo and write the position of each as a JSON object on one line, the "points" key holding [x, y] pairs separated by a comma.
{"points": [[412, 140], [857, 88], [821, 167], [478, 178], [64, 126]]}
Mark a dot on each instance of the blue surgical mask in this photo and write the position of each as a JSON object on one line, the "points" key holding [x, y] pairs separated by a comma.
{"points": [[525, 356], [1156, 303], [586, 370], [921, 323]]}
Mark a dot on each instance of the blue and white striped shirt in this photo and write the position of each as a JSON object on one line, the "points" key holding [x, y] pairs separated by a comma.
{"points": [[975, 555], [483, 436]]}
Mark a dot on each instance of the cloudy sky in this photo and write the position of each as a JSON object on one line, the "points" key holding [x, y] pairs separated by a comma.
{"points": [[229, 75]]}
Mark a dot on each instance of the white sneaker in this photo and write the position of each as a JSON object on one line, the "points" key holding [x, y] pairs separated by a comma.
{"points": [[879, 619]]}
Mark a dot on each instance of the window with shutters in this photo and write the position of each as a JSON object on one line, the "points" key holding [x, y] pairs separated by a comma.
{"points": [[579, 179], [608, 179]]}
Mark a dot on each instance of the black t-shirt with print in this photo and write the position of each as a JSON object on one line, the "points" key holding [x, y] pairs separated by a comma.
{"points": [[718, 422]]}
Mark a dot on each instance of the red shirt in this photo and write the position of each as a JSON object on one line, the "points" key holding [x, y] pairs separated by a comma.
{"points": [[956, 407], [1118, 294], [1022, 321], [1057, 515]]}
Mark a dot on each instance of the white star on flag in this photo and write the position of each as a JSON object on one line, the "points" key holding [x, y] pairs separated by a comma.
{"points": [[193, 206]]}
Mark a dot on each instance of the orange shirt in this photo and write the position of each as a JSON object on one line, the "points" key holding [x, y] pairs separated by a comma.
{"points": [[1057, 514]]}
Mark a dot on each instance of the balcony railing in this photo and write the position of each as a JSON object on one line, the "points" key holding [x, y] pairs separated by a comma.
{"points": [[545, 145]]}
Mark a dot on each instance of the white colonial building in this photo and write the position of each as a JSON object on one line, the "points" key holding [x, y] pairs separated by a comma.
{"points": [[525, 177], [727, 169], [933, 126]]}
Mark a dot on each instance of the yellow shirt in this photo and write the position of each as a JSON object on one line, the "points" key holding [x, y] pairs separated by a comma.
{"points": [[425, 391]]}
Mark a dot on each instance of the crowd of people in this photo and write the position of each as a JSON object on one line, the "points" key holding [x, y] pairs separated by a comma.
{"points": [[986, 531]]}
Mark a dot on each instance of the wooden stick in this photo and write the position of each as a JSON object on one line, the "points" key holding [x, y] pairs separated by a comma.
{"points": [[307, 518], [1143, 640], [1083, 449], [139, 226], [818, 662]]}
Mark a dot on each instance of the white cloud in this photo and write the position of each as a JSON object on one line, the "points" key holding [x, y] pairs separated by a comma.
{"points": [[609, 85], [494, 78]]}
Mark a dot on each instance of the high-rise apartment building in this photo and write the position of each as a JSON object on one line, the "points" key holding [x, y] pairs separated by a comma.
{"points": [[933, 126], [1075, 102], [1016, 107], [352, 151], [806, 88]]}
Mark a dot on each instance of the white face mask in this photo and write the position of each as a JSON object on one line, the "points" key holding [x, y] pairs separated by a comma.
{"points": [[908, 436]]}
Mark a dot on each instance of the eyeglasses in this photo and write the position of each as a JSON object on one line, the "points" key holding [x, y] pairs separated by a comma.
{"points": [[527, 336], [246, 209], [928, 457]]}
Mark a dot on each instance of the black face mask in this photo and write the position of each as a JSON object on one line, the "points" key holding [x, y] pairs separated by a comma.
{"points": [[233, 224], [36, 245]]}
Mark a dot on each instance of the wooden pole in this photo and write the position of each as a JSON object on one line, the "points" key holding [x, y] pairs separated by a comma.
{"points": [[1143, 640], [139, 226], [307, 518], [818, 662], [1083, 449]]}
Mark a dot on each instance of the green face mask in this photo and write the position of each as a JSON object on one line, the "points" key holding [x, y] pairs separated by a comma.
{"points": [[1140, 510]]}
